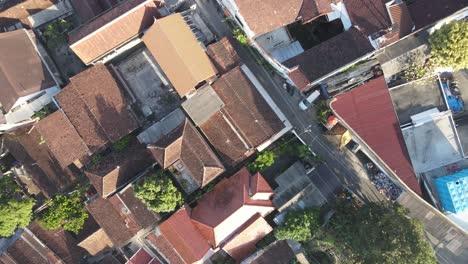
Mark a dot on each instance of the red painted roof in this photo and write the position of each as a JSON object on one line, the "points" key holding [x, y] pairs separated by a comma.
{"points": [[368, 111], [184, 237], [222, 211]]}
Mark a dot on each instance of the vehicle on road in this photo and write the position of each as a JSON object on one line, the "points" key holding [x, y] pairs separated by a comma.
{"points": [[309, 100]]}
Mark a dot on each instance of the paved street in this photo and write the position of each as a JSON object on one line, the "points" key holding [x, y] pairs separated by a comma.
{"points": [[344, 167], [341, 166]]}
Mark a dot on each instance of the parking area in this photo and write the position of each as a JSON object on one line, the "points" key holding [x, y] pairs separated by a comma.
{"points": [[152, 94]]}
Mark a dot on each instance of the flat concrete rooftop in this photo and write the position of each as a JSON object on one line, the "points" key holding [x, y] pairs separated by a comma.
{"points": [[416, 97], [433, 143]]}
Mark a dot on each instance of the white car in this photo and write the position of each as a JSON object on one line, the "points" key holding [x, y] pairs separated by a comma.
{"points": [[309, 100]]}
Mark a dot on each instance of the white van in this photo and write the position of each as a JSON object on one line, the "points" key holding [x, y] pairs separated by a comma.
{"points": [[309, 100]]}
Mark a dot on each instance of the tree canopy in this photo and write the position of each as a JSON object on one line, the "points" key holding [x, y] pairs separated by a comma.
{"points": [[67, 212], [158, 192], [449, 45], [299, 225], [15, 210], [262, 162], [381, 233]]}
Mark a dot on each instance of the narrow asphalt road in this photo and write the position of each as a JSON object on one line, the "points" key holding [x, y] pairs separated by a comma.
{"points": [[342, 166]]}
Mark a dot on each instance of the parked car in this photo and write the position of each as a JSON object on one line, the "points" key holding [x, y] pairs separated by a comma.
{"points": [[309, 100]]}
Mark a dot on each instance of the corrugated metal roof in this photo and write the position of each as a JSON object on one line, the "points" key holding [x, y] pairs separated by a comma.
{"points": [[368, 111]]}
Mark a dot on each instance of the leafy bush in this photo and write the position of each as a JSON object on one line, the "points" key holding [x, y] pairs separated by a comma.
{"points": [[122, 144], [418, 68], [241, 36], [158, 192], [67, 212], [300, 225], [323, 112], [262, 162], [15, 210], [449, 45]]}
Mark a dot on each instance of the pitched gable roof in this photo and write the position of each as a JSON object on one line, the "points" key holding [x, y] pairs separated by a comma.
{"points": [[243, 243], [28, 249], [364, 107], [177, 51], [369, 16], [62, 138], [186, 144], [118, 168], [227, 207], [426, 12], [94, 96], [22, 71], [263, 16], [109, 220], [136, 215], [184, 237], [244, 122], [312, 9], [38, 161], [112, 29], [402, 24], [223, 55], [332, 55], [61, 242]]}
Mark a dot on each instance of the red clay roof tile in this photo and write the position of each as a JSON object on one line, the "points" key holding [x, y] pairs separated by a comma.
{"points": [[368, 111]]}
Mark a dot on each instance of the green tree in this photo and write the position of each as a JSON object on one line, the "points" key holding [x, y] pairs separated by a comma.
{"points": [[381, 233], [449, 45], [67, 212], [300, 225], [262, 162], [158, 192], [15, 210], [241, 36]]}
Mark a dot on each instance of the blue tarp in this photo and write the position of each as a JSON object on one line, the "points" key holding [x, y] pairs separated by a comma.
{"points": [[455, 104], [453, 191]]}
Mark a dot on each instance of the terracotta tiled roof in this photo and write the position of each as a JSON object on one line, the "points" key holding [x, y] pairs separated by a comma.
{"points": [[143, 216], [184, 237], [259, 185], [370, 16], [186, 144], [223, 55], [246, 111], [227, 207], [62, 138], [312, 9], [243, 243], [368, 111], [332, 55], [96, 242], [112, 29], [263, 16], [27, 249], [22, 71], [278, 253], [426, 12], [402, 24], [175, 48], [87, 9], [119, 168], [61, 242], [225, 140], [110, 221], [99, 91], [38, 160], [82, 118], [165, 248], [135, 214]]}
